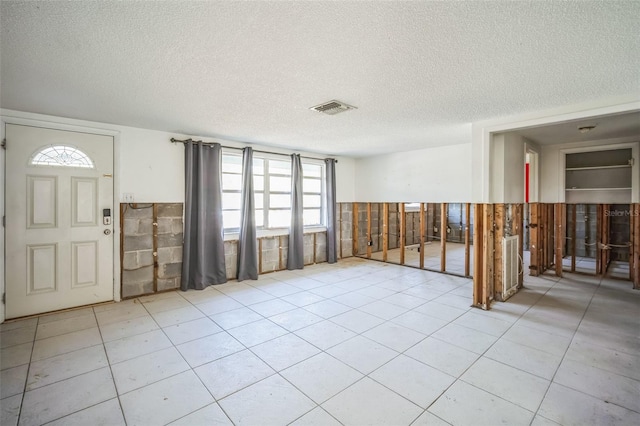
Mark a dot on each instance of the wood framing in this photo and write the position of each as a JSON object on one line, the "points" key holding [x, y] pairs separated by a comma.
{"points": [[574, 218], [403, 231], [340, 230], [483, 259], [443, 236], [599, 211], [636, 246], [355, 230], [498, 236], [422, 235], [467, 238], [534, 239], [550, 236], [259, 256], [155, 247], [369, 238], [385, 231], [280, 266], [558, 237], [517, 229]]}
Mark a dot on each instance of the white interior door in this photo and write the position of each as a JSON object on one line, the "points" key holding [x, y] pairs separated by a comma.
{"points": [[59, 248]]}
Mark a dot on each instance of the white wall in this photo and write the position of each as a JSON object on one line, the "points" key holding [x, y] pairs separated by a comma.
{"points": [[552, 167], [441, 174], [507, 168]]}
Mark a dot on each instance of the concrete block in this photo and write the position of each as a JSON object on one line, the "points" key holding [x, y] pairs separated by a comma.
{"points": [[131, 226], [130, 260], [138, 242], [170, 240], [140, 213], [168, 284], [170, 210], [169, 270], [145, 226], [137, 289], [141, 275], [145, 257]]}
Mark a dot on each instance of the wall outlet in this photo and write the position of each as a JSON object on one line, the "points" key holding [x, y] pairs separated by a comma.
{"points": [[127, 197]]}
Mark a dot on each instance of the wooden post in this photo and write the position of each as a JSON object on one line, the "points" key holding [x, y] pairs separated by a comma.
{"points": [[422, 235], [480, 265], [574, 218], [636, 246], [155, 247], [499, 220], [606, 228], [443, 236], [467, 238], [558, 238], [369, 239], [598, 239], [517, 229], [632, 219], [403, 231], [259, 255], [340, 230], [280, 266], [355, 232], [534, 239], [385, 230]]}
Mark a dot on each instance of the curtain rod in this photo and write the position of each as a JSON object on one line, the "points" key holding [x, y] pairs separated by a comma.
{"points": [[174, 140]]}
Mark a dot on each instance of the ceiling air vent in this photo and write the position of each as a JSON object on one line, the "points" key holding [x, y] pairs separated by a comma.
{"points": [[332, 107]]}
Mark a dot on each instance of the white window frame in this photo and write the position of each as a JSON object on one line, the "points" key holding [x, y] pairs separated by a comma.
{"points": [[266, 192]]}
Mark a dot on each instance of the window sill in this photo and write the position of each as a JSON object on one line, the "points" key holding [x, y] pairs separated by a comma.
{"points": [[261, 233]]}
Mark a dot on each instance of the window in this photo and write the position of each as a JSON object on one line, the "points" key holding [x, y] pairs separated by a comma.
{"points": [[272, 191], [61, 156]]}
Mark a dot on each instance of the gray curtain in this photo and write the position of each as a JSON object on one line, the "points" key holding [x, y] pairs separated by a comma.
{"points": [[295, 256], [203, 251], [330, 185], [247, 243]]}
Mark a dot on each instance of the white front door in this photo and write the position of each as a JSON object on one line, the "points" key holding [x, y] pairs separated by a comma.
{"points": [[59, 247]]}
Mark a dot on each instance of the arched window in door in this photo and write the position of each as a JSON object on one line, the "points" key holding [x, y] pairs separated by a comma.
{"points": [[61, 156]]}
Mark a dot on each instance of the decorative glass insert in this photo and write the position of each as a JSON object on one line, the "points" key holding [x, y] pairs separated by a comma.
{"points": [[63, 156]]}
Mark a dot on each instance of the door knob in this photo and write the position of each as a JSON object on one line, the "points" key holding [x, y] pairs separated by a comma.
{"points": [[107, 231]]}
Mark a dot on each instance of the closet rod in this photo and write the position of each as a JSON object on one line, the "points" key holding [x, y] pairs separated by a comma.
{"points": [[174, 140]]}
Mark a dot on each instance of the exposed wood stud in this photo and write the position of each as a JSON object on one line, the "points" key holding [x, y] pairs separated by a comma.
{"points": [[340, 230], [123, 208], [385, 230], [422, 234], [467, 238], [550, 236], [518, 229], [479, 293], [443, 236], [534, 239], [574, 217], [280, 267], [598, 238], [499, 220], [355, 231], [559, 237], [636, 246], [259, 255], [369, 238], [315, 235], [155, 247], [403, 231]]}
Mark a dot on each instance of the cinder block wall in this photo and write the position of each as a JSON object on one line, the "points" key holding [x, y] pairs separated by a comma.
{"points": [[138, 274]]}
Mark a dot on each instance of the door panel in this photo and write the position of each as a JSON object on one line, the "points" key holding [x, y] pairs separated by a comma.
{"points": [[58, 254]]}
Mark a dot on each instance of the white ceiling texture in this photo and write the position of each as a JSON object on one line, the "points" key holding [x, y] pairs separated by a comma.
{"points": [[418, 72]]}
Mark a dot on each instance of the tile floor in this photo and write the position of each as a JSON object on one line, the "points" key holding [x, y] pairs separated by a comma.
{"points": [[360, 342]]}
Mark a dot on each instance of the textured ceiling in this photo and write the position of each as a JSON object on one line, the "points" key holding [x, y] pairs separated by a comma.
{"points": [[606, 127], [419, 72]]}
